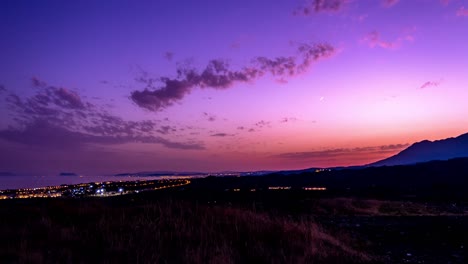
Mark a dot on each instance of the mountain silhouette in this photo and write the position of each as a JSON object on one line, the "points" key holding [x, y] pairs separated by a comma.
{"points": [[426, 150]]}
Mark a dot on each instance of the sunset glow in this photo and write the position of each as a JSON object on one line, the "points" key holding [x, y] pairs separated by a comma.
{"points": [[100, 87]]}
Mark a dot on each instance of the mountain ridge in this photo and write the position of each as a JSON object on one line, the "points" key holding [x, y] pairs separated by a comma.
{"points": [[426, 150]]}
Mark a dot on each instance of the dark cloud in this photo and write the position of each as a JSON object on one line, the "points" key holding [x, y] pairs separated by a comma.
{"points": [[166, 130], [221, 135], [262, 123], [279, 66], [68, 99], [288, 119], [430, 84], [209, 117], [340, 152], [169, 55], [462, 12], [61, 97], [390, 3], [316, 6], [42, 133], [155, 100], [218, 75], [56, 116], [291, 66], [38, 83]]}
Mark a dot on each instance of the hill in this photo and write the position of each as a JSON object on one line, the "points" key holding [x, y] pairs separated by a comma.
{"points": [[426, 150]]}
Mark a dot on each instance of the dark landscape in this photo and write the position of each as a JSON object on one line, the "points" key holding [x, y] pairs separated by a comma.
{"points": [[379, 215]]}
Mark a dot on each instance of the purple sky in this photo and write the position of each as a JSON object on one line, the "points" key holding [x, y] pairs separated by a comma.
{"points": [[114, 86]]}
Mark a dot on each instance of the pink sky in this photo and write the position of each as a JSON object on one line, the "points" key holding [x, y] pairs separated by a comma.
{"points": [[99, 88]]}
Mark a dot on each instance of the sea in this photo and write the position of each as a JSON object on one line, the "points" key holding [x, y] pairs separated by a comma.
{"points": [[19, 182]]}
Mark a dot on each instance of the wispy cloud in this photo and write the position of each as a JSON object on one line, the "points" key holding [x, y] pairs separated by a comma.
{"points": [[221, 135], [64, 114], [373, 39], [219, 75], [462, 12], [316, 6], [59, 96], [340, 152], [430, 84], [165, 130], [311, 7], [39, 133], [262, 123], [288, 119]]}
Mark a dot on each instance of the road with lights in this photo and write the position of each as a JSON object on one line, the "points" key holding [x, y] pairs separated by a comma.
{"points": [[94, 189]]}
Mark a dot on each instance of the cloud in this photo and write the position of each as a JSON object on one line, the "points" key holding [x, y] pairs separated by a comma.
{"points": [[209, 117], [221, 135], [340, 152], [392, 147], [166, 130], [291, 66], [38, 83], [262, 123], [430, 84], [390, 3], [55, 116], [317, 6], [373, 40], [59, 96], [39, 133], [216, 75], [169, 55], [462, 12], [288, 119], [219, 75]]}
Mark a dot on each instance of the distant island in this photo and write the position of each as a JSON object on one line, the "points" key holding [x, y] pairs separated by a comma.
{"points": [[68, 174]]}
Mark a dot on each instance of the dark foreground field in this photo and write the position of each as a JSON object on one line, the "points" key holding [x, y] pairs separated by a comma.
{"points": [[269, 227], [130, 230]]}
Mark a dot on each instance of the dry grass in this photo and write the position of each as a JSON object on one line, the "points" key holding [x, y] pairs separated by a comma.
{"points": [[370, 207], [163, 232]]}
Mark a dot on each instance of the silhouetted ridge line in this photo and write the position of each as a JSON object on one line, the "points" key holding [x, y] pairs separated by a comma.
{"points": [[426, 150]]}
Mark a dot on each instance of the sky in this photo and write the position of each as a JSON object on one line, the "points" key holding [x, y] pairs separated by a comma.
{"points": [[102, 87]]}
